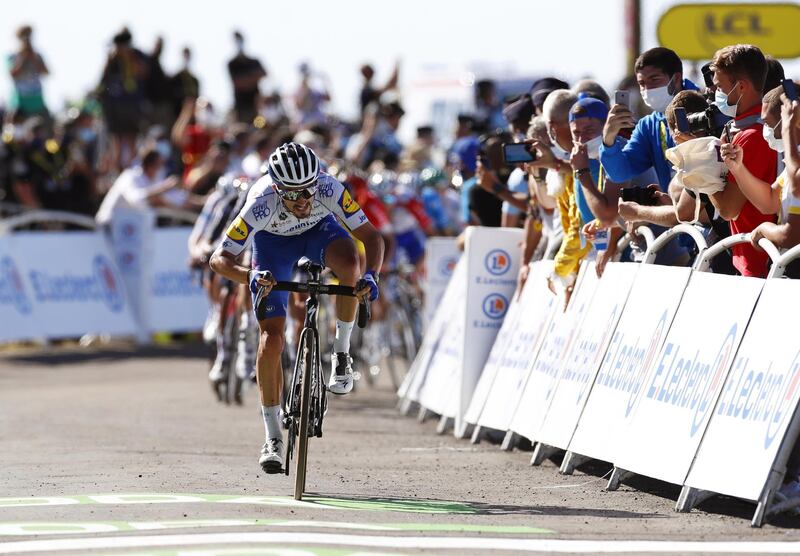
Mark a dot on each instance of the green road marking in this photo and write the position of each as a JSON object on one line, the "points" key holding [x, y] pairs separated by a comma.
{"points": [[46, 528], [375, 504]]}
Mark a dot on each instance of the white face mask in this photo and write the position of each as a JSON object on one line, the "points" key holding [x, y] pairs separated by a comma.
{"points": [[721, 100], [593, 147], [658, 98], [558, 152], [769, 136]]}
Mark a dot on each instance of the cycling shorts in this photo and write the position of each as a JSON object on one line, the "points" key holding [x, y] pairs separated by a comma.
{"points": [[278, 254], [412, 244]]}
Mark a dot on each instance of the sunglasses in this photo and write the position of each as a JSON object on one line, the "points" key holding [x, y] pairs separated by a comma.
{"points": [[297, 194]]}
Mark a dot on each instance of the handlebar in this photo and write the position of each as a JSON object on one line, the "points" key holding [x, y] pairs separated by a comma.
{"points": [[316, 288]]}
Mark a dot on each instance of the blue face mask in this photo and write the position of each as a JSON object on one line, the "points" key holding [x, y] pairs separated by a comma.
{"points": [[721, 101], [86, 135]]}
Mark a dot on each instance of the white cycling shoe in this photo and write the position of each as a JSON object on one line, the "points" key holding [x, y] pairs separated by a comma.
{"points": [[271, 459], [341, 381]]}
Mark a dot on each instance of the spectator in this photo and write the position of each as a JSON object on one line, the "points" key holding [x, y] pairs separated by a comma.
{"points": [[542, 88], [556, 110], [252, 163], [593, 89], [488, 110], [739, 74], [369, 93], [27, 68], [775, 74], [202, 179], [310, 98], [246, 73], [157, 89], [378, 136], [420, 154], [193, 132], [491, 176], [139, 187], [659, 72], [518, 115], [121, 95], [184, 84], [463, 159]]}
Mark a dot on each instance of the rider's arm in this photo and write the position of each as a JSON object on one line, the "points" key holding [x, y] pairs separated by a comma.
{"points": [[236, 239], [373, 245], [224, 263]]}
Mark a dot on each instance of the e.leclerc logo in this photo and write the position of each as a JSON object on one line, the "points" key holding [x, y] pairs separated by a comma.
{"points": [[447, 265], [495, 306], [497, 262], [12, 288], [100, 285]]}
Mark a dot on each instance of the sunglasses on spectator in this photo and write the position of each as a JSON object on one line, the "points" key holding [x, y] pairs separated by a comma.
{"points": [[297, 194]]}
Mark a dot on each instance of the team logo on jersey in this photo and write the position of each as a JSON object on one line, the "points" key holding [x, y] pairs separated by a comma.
{"points": [[239, 230], [348, 204], [260, 211]]}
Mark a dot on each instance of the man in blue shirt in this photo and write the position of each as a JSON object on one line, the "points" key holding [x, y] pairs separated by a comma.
{"points": [[659, 72]]}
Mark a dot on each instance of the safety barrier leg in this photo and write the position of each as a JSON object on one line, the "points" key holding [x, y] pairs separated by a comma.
{"points": [[509, 441], [444, 424], [690, 498], [423, 414], [407, 406], [477, 434], [463, 431], [542, 452], [571, 462], [617, 477]]}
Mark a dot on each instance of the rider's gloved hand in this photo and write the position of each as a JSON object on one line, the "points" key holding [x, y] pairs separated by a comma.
{"points": [[369, 282], [258, 278]]}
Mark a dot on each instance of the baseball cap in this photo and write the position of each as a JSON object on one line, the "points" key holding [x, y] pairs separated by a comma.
{"points": [[543, 87], [588, 108], [519, 110], [465, 153]]}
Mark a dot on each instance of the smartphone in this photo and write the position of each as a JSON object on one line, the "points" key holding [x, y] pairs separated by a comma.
{"points": [[790, 89], [517, 153], [623, 97], [682, 120], [640, 195]]}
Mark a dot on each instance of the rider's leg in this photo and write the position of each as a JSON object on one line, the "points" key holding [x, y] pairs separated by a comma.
{"points": [[341, 257], [268, 360], [248, 337]]}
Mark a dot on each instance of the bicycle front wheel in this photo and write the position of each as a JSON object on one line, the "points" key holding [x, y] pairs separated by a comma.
{"points": [[309, 363]]}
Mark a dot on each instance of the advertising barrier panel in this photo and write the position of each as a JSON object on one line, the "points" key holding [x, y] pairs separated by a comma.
{"points": [[537, 305], [583, 360], [641, 331], [178, 302], [62, 285], [441, 257], [759, 398], [683, 381], [544, 370]]}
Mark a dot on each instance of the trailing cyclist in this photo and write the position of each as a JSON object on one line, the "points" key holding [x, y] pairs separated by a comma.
{"points": [[292, 213]]}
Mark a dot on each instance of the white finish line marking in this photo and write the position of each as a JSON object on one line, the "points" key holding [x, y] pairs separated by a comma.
{"points": [[420, 543]]}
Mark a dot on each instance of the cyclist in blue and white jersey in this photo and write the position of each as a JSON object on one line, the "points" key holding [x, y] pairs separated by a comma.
{"points": [[292, 213]]}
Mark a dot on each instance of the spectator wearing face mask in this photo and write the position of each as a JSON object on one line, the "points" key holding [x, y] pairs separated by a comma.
{"points": [[739, 74], [778, 197], [573, 250], [659, 73], [518, 115]]}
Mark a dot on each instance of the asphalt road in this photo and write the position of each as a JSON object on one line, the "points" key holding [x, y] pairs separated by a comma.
{"points": [[122, 450]]}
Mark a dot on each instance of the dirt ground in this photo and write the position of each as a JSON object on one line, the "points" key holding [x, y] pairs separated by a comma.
{"points": [[123, 450]]}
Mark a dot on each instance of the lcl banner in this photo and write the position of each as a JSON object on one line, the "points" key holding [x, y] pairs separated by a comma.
{"points": [[749, 423], [674, 404], [61, 285]]}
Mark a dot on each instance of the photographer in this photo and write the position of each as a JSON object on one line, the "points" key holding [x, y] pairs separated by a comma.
{"points": [[659, 72], [492, 176], [739, 74], [518, 115]]}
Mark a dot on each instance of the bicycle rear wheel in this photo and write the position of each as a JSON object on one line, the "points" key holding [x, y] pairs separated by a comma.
{"points": [[309, 361]]}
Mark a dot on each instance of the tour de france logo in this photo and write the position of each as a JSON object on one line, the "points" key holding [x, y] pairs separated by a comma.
{"points": [[495, 306], [12, 288], [497, 262], [110, 286]]}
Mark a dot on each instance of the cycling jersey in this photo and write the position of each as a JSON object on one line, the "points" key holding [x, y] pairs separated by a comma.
{"points": [[264, 212]]}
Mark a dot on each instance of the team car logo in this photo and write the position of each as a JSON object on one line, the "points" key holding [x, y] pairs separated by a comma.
{"points": [[239, 231], [348, 204]]}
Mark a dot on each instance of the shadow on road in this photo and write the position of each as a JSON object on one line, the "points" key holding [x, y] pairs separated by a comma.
{"points": [[71, 355], [445, 507]]}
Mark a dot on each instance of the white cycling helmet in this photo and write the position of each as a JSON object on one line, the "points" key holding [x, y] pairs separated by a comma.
{"points": [[293, 166]]}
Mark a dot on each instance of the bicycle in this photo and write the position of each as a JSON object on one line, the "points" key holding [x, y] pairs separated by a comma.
{"points": [[307, 400], [229, 387]]}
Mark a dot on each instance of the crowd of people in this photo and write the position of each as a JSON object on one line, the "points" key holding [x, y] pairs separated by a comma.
{"points": [[595, 167]]}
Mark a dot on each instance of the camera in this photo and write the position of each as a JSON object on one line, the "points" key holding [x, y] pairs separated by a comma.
{"points": [[708, 122], [640, 195], [517, 153]]}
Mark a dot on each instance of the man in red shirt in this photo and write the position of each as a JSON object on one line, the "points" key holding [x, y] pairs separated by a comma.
{"points": [[739, 74]]}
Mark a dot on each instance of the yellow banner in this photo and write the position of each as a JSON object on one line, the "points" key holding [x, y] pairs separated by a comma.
{"points": [[697, 31]]}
